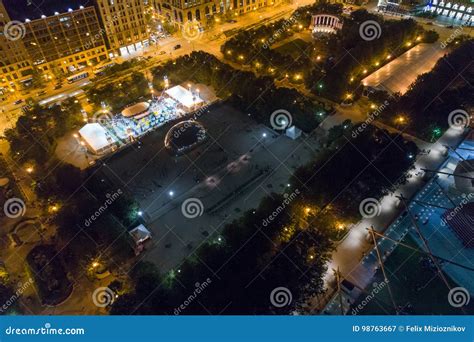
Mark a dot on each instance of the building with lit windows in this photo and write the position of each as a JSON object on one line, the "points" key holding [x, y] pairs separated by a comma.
{"points": [[181, 11], [15, 67], [125, 24], [463, 10], [48, 47], [65, 43]]}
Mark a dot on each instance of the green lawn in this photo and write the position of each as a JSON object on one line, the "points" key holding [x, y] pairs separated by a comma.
{"points": [[293, 48], [411, 282]]}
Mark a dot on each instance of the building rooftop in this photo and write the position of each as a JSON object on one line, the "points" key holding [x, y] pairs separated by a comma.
{"points": [[34, 9]]}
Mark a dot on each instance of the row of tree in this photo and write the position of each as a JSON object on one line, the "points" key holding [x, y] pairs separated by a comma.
{"points": [[257, 96], [426, 106], [118, 95], [332, 65]]}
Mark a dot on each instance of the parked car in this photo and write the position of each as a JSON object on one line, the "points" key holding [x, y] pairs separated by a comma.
{"points": [[41, 93], [162, 52], [17, 102], [176, 47]]}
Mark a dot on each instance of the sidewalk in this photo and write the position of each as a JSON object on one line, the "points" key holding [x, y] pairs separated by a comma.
{"points": [[350, 252]]}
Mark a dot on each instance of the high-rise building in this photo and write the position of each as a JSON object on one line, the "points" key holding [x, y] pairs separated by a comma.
{"points": [[181, 11], [65, 42], [15, 67], [48, 47], [125, 24]]}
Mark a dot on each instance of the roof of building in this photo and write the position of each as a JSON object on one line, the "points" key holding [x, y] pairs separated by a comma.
{"points": [[183, 96], [136, 110], [461, 220], [34, 9], [464, 168], [140, 234], [96, 136]]}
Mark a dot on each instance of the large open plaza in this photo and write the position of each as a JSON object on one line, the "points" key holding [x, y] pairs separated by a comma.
{"points": [[255, 160], [229, 174]]}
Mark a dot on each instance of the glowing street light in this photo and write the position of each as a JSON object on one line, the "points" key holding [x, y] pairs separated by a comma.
{"points": [[401, 119]]}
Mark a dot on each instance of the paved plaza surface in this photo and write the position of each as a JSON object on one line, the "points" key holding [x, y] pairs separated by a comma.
{"points": [[240, 163], [397, 75]]}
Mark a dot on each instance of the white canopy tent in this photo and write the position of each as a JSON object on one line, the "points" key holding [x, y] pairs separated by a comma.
{"points": [[184, 97], [293, 132], [96, 137], [140, 235]]}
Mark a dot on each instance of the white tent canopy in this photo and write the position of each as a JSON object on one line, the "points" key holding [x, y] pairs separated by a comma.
{"points": [[184, 97], [96, 137], [140, 234], [293, 132]]}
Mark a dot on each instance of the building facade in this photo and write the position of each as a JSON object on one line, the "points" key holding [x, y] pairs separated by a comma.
{"points": [[65, 43], [181, 11], [49, 47], [461, 10], [125, 24], [15, 66]]}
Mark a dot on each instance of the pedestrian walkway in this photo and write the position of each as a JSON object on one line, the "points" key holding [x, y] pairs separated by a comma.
{"points": [[350, 254]]}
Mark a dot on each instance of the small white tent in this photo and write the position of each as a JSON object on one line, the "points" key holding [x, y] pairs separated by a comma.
{"points": [[97, 138]]}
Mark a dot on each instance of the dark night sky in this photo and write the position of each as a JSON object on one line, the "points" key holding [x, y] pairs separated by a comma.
{"points": [[33, 9]]}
